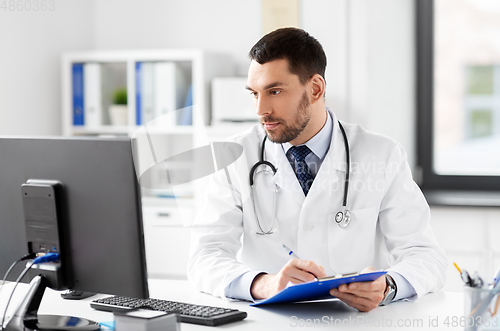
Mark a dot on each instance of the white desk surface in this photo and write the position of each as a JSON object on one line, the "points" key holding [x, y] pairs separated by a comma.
{"points": [[427, 313]]}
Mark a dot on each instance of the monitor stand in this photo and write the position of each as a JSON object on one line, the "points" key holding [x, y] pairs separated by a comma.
{"points": [[76, 295], [26, 317]]}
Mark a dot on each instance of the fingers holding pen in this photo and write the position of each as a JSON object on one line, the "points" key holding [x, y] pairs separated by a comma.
{"points": [[302, 271], [295, 271]]}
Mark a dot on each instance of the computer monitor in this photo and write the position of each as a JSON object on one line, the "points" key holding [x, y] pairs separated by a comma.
{"points": [[102, 207]]}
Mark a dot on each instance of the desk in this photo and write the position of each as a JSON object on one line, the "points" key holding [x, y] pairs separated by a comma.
{"points": [[427, 313]]}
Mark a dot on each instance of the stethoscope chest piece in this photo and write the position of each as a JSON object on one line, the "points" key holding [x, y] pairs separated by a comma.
{"points": [[343, 218]]}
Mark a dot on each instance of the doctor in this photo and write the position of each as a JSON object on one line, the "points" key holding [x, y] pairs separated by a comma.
{"points": [[297, 194]]}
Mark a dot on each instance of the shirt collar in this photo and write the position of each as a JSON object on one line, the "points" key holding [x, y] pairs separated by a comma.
{"points": [[320, 142]]}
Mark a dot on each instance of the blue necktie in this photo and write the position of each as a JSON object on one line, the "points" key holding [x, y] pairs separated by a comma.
{"points": [[302, 171]]}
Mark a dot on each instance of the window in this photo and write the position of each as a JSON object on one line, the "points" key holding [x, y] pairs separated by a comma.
{"points": [[458, 94]]}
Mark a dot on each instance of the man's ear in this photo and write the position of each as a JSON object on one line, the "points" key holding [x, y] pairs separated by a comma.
{"points": [[318, 86]]}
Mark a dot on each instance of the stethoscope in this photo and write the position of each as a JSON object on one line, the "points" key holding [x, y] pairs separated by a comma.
{"points": [[343, 217]]}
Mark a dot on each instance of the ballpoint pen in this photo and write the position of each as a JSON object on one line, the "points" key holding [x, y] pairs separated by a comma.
{"points": [[295, 256], [289, 251], [495, 309], [465, 276], [477, 281], [496, 280]]}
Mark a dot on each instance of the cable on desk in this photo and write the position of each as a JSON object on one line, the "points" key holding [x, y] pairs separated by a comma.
{"points": [[13, 265], [49, 257], [25, 271]]}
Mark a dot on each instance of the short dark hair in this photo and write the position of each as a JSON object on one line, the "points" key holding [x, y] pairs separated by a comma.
{"points": [[304, 53]]}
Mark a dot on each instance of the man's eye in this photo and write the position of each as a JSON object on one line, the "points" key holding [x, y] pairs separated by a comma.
{"points": [[275, 92], [253, 94]]}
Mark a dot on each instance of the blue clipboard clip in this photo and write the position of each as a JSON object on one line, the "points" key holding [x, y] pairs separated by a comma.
{"points": [[318, 289]]}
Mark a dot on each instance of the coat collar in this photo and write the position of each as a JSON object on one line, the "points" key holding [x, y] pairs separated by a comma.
{"points": [[336, 157]]}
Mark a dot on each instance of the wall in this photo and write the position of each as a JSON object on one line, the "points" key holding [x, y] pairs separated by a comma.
{"points": [[215, 25], [470, 238], [31, 43], [382, 75]]}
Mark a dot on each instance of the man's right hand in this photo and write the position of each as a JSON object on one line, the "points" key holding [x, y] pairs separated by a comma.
{"points": [[296, 271]]}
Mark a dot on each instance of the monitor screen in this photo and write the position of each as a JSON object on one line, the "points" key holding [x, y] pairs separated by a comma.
{"points": [[103, 209]]}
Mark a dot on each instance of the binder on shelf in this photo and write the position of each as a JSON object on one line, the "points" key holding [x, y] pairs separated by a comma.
{"points": [[138, 92], [186, 115], [170, 86], [92, 94], [147, 91], [78, 90]]}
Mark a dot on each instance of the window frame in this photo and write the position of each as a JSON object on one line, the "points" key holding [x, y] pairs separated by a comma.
{"points": [[429, 180]]}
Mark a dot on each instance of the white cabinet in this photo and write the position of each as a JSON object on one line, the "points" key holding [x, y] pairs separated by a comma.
{"points": [[167, 239]]}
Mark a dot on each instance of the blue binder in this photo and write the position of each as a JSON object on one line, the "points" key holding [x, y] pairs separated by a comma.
{"points": [[187, 111], [138, 93], [316, 290], [78, 107]]}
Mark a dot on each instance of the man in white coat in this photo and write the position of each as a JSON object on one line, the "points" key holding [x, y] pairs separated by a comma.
{"points": [[236, 241]]}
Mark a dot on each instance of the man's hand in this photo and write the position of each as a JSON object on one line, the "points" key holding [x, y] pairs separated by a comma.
{"points": [[364, 296], [296, 271]]}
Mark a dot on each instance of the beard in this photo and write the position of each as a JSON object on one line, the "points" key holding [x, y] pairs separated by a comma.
{"points": [[290, 130]]}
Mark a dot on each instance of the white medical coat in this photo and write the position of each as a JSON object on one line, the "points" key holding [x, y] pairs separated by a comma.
{"points": [[390, 227]]}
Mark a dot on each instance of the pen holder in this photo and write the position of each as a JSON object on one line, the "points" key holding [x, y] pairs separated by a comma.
{"points": [[482, 309]]}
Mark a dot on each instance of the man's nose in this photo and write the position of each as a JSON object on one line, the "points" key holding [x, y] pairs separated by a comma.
{"points": [[262, 107]]}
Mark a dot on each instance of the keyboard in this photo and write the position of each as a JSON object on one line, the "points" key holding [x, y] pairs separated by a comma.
{"points": [[189, 313]]}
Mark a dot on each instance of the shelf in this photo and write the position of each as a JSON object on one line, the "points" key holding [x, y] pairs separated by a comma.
{"points": [[105, 129], [155, 201], [127, 130], [93, 75], [179, 129], [222, 131], [463, 198], [119, 68]]}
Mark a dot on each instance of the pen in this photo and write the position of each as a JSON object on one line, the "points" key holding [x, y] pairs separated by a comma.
{"points": [[496, 280], [477, 281], [465, 276], [295, 256], [289, 252]]}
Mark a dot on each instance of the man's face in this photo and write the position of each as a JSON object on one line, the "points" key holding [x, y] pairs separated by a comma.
{"points": [[281, 101]]}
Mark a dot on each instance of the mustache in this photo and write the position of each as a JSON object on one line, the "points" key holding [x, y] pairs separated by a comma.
{"points": [[270, 119]]}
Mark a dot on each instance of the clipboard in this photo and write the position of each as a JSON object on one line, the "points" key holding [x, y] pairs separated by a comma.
{"points": [[317, 289]]}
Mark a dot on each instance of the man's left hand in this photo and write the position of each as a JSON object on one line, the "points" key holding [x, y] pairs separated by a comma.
{"points": [[364, 296]]}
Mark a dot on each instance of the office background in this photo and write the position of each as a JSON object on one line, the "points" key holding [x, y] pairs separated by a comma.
{"points": [[371, 74]]}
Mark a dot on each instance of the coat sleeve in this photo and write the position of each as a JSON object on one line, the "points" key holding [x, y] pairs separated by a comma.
{"points": [[405, 223], [216, 237]]}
